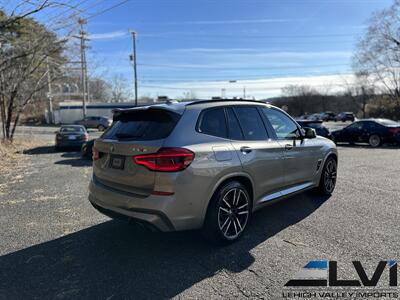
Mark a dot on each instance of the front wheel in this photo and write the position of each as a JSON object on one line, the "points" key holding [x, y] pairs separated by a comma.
{"points": [[101, 128], [327, 182], [228, 214], [374, 141]]}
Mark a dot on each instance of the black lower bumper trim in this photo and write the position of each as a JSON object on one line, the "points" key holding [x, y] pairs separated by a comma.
{"points": [[114, 215]]}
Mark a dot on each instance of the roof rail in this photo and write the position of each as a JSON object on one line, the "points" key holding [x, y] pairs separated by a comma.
{"points": [[195, 102]]}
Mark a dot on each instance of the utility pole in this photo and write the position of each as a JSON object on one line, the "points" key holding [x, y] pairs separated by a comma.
{"points": [[82, 37], [133, 58], [50, 94]]}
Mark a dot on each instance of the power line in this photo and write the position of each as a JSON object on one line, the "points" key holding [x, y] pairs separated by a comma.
{"points": [[95, 14], [227, 77], [69, 8], [199, 67], [195, 35], [107, 9]]}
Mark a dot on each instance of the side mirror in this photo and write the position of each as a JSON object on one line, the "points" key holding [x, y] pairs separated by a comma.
{"points": [[309, 133]]}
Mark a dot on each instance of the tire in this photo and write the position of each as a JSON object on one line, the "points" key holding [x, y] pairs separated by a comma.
{"points": [[101, 128], [327, 182], [228, 214], [374, 140]]}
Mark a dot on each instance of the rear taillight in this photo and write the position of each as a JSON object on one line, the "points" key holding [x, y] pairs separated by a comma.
{"points": [[95, 154], [86, 137], [166, 160], [394, 130]]}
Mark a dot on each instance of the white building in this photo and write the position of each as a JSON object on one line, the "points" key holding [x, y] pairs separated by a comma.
{"points": [[71, 111]]}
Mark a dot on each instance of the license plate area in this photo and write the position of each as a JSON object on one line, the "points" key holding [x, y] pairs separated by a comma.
{"points": [[117, 162], [72, 137]]}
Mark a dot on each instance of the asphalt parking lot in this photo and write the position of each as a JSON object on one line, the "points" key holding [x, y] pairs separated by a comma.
{"points": [[54, 245]]}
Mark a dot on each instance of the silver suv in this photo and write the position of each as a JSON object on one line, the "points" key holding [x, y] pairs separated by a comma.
{"points": [[206, 165]]}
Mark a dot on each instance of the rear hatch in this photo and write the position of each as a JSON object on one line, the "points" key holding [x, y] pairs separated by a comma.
{"points": [[134, 132]]}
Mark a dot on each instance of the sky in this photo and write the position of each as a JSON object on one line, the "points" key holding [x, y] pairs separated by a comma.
{"points": [[233, 48]]}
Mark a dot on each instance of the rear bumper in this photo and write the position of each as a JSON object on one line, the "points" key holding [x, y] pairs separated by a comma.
{"points": [[395, 139], [148, 218], [69, 143], [161, 212]]}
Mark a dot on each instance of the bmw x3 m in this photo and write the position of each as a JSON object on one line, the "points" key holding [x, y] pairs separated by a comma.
{"points": [[206, 165]]}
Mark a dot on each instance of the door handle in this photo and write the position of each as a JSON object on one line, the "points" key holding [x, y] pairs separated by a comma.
{"points": [[245, 150], [288, 147]]}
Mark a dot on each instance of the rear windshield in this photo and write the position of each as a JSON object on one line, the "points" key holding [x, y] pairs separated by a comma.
{"points": [[72, 129], [142, 125]]}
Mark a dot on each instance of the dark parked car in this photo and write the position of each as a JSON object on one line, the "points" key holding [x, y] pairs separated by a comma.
{"points": [[101, 123], [372, 131], [320, 129], [345, 116], [328, 116], [71, 136], [87, 149]]}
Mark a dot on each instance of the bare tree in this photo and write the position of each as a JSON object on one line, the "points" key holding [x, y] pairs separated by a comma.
{"points": [[302, 98], [100, 90], [29, 51], [361, 91], [119, 89], [378, 53]]}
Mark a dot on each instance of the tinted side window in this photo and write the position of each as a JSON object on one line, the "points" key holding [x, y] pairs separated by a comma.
{"points": [[372, 125], [212, 122], [235, 132], [251, 123], [355, 126], [283, 126]]}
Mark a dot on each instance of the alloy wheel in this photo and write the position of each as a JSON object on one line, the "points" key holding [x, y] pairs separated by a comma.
{"points": [[233, 213], [330, 176], [374, 140]]}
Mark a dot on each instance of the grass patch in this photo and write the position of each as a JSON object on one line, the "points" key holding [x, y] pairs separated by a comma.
{"points": [[12, 153]]}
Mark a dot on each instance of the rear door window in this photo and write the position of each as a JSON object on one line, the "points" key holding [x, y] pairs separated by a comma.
{"points": [[212, 122], [142, 125], [251, 123]]}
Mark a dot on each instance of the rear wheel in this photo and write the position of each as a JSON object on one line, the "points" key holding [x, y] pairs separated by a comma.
{"points": [[374, 140], [327, 182], [228, 214]]}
